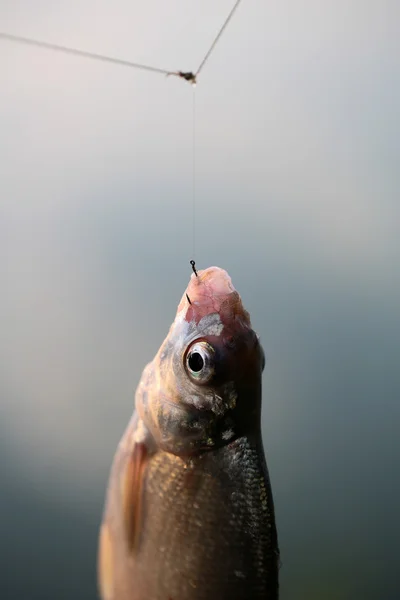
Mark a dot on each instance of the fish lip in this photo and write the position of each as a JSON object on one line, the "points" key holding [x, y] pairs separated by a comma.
{"points": [[211, 291], [212, 285]]}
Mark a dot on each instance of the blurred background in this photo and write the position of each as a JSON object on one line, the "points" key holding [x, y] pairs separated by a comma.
{"points": [[297, 186]]}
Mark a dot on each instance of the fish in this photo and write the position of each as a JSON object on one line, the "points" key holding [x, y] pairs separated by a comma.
{"points": [[189, 511]]}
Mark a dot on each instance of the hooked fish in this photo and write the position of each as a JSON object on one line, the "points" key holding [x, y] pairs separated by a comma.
{"points": [[189, 512]]}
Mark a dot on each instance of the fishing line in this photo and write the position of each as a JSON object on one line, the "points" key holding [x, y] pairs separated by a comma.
{"points": [[74, 51], [229, 17], [188, 76], [194, 174]]}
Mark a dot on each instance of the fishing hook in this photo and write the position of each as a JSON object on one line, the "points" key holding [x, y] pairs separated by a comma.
{"points": [[193, 267]]}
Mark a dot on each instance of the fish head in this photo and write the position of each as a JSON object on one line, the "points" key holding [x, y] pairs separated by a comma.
{"points": [[203, 388]]}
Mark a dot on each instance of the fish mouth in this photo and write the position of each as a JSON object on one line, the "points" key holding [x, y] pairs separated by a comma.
{"points": [[211, 291]]}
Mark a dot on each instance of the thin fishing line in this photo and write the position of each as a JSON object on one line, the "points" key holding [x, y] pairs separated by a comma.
{"points": [[188, 76], [194, 174], [229, 17]]}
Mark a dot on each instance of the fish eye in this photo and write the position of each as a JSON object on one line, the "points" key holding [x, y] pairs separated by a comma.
{"points": [[199, 362]]}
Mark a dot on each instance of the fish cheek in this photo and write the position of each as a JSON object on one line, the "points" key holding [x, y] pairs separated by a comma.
{"points": [[182, 429]]}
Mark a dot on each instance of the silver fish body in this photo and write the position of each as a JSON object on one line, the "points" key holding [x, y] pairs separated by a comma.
{"points": [[189, 511]]}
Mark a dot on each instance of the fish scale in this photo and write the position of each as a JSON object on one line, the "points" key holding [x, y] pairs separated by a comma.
{"points": [[189, 512]]}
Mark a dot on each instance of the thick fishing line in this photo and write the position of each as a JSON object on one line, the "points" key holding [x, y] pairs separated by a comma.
{"points": [[229, 17], [82, 53], [188, 76]]}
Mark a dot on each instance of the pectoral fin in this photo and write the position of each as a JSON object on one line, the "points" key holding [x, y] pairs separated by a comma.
{"points": [[106, 564], [132, 494]]}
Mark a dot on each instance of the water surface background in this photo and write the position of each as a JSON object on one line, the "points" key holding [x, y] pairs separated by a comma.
{"points": [[297, 184]]}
